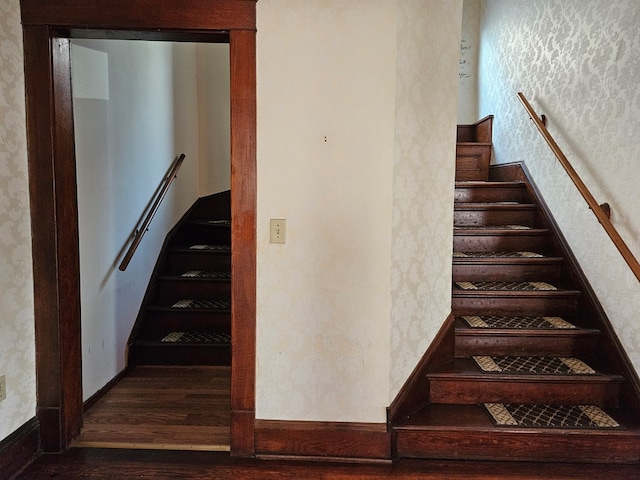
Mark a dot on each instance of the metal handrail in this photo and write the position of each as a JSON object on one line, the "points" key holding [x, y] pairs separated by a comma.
{"points": [[600, 211], [166, 183]]}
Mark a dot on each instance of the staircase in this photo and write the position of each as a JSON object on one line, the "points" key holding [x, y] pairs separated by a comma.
{"points": [[185, 318], [529, 368]]}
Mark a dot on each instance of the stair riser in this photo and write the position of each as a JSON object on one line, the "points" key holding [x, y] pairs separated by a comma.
{"points": [[479, 194], [463, 242], [180, 262], [463, 391], [468, 345], [169, 292], [468, 218], [528, 445], [494, 272], [203, 234], [159, 323], [526, 306], [181, 355]]}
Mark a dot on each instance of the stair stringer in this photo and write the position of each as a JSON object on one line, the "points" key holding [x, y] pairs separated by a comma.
{"points": [[223, 201]]}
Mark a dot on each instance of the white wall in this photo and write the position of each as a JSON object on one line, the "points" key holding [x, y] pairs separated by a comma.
{"points": [[468, 63], [347, 307], [577, 62], [423, 178], [326, 85], [124, 146], [17, 349], [214, 117]]}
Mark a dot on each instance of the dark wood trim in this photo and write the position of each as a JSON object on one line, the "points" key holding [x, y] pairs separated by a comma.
{"points": [[54, 225], [20, 448], [52, 183], [414, 393], [142, 14], [613, 350], [243, 240], [323, 440]]}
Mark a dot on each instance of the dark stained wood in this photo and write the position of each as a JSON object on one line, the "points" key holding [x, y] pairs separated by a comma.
{"points": [[141, 14], [354, 441], [473, 150], [47, 26], [20, 448], [243, 243], [55, 236], [110, 464], [163, 407], [546, 269], [411, 396]]}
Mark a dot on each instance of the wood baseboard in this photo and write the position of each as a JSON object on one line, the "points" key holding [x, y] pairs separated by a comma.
{"points": [[328, 441], [93, 399], [20, 448], [414, 393]]}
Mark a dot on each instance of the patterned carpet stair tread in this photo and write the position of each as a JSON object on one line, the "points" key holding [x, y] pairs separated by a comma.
{"points": [[203, 304], [550, 416], [207, 274], [198, 337], [503, 286], [497, 255], [533, 365], [542, 323], [494, 227], [211, 248]]}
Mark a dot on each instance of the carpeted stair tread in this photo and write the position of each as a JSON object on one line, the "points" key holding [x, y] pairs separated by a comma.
{"points": [[213, 223], [469, 255], [217, 338], [544, 365], [213, 275], [210, 248], [202, 304], [550, 416], [506, 286], [517, 322], [492, 227]]}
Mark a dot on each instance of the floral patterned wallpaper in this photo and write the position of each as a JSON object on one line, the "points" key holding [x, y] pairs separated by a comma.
{"points": [[17, 350], [577, 61], [424, 169]]}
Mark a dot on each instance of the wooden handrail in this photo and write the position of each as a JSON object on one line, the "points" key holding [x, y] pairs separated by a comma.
{"points": [[166, 183], [600, 212]]}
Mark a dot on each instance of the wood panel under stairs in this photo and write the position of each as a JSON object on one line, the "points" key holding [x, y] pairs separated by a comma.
{"points": [[185, 318], [526, 338]]}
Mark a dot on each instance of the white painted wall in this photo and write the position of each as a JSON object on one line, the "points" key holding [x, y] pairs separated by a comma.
{"points": [[158, 106], [577, 62], [468, 63], [338, 304]]}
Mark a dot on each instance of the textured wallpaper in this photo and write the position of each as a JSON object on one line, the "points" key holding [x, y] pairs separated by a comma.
{"points": [[17, 354], [578, 63], [326, 105], [424, 167]]}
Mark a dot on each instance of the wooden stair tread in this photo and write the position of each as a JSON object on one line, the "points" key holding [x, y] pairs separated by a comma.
{"points": [[488, 184], [466, 367], [438, 416], [222, 223], [497, 230], [493, 206], [214, 250], [218, 276], [463, 329]]}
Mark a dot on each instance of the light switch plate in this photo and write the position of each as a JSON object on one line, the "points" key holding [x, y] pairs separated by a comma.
{"points": [[278, 229]]}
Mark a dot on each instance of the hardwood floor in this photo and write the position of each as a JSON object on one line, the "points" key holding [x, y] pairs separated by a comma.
{"points": [[163, 407], [101, 464]]}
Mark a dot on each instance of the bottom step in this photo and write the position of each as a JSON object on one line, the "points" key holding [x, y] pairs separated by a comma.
{"points": [[443, 431]]}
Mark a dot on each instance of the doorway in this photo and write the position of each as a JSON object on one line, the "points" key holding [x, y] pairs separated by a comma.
{"points": [[48, 29]]}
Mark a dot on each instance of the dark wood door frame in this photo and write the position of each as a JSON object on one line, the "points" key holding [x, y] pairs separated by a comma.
{"points": [[48, 27]]}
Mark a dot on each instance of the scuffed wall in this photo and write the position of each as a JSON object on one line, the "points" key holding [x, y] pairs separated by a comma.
{"points": [[17, 347], [423, 178], [577, 62]]}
